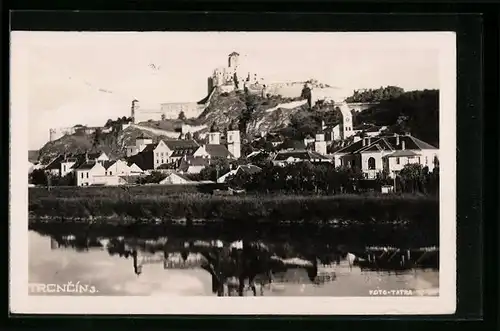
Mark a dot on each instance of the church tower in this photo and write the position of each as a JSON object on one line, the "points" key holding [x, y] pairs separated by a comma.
{"points": [[214, 135], [346, 129], [233, 140]]}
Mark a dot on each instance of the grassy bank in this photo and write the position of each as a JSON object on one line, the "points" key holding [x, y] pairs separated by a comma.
{"points": [[122, 206], [119, 192]]}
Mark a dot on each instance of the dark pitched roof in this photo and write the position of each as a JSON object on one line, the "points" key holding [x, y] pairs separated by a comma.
{"points": [[181, 144], [387, 143], [197, 161], [292, 144], [87, 165], [402, 153], [149, 148], [94, 155], [350, 148], [234, 53], [218, 151], [55, 163], [143, 160], [299, 154], [249, 169], [193, 161], [108, 164], [184, 151]]}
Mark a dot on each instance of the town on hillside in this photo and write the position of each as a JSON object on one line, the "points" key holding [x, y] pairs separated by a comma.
{"points": [[173, 145]]}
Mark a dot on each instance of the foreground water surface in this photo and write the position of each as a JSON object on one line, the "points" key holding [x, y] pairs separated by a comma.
{"points": [[109, 270]]}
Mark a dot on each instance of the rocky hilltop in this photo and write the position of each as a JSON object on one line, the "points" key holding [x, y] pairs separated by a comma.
{"points": [[255, 112]]}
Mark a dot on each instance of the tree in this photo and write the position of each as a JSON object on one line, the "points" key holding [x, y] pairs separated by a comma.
{"points": [[306, 94], [182, 116], [216, 168], [153, 178], [412, 178], [38, 177], [236, 82], [97, 137], [305, 124]]}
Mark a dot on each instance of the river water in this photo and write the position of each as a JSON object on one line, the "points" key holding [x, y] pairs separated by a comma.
{"points": [[109, 274]]}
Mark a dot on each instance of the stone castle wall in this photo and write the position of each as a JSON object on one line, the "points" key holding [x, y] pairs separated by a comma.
{"points": [[57, 133], [190, 109], [286, 90]]}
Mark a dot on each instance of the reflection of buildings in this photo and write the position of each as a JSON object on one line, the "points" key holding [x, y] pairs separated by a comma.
{"points": [[78, 243]]}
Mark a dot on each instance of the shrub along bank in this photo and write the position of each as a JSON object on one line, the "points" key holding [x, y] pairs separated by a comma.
{"points": [[247, 209]]}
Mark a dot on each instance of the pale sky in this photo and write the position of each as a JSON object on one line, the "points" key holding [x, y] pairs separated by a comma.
{"points": [[62, 77]]}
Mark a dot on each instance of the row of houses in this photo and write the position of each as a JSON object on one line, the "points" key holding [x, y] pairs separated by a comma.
{"points": [[372, 155], [94, 169], [185, 156]]}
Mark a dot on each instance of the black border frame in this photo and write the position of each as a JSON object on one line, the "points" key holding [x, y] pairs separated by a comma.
{"points": [[470, 140]]}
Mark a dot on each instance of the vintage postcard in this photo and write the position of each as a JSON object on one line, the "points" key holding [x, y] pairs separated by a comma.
{"points": [[312, 173]]}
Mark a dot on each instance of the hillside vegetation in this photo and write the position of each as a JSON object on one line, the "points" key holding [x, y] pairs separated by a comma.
{"points": [[113, 143], [416, 112]]}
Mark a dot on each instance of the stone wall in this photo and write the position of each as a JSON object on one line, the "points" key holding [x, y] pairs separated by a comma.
{"points": [[190, 109], [286, 90]]}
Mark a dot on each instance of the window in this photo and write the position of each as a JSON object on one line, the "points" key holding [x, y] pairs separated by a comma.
{"points": [[157, 154], [426, 160], [371, 163], [82, 174], [111, 173], [64, 167], [87, 175], [418, 159], [397, 160]]}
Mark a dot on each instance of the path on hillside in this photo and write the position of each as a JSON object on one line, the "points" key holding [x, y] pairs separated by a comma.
{"points": [[287, 105], [159, 132]]}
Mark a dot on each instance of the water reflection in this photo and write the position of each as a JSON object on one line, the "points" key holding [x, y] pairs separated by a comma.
{"points": [[211, 263]]}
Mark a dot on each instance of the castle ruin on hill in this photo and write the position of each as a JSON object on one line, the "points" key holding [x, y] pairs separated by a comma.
{"points": [[234, 76]]}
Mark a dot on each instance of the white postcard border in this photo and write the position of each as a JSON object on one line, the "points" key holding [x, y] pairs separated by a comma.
{"points": [[445, 303]]}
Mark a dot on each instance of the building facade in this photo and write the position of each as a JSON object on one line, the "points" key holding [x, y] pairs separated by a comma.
{"points": [[389, 155]]}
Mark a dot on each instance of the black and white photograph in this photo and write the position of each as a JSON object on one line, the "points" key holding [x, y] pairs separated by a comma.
{"points": [[312, 172]]}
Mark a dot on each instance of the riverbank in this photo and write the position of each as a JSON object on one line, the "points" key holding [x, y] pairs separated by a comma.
{"points": [[245, 208]]}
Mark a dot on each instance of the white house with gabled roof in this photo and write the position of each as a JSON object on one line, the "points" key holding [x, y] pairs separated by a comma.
{"points": [[90, 173], [374, 155]]}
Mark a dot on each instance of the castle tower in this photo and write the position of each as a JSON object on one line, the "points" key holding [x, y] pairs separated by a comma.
{"points": [[214, 135], [320, 144], [133, 109], [233, 140], [218, 77], [233, 61], [346, 129], [52, 134]]}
